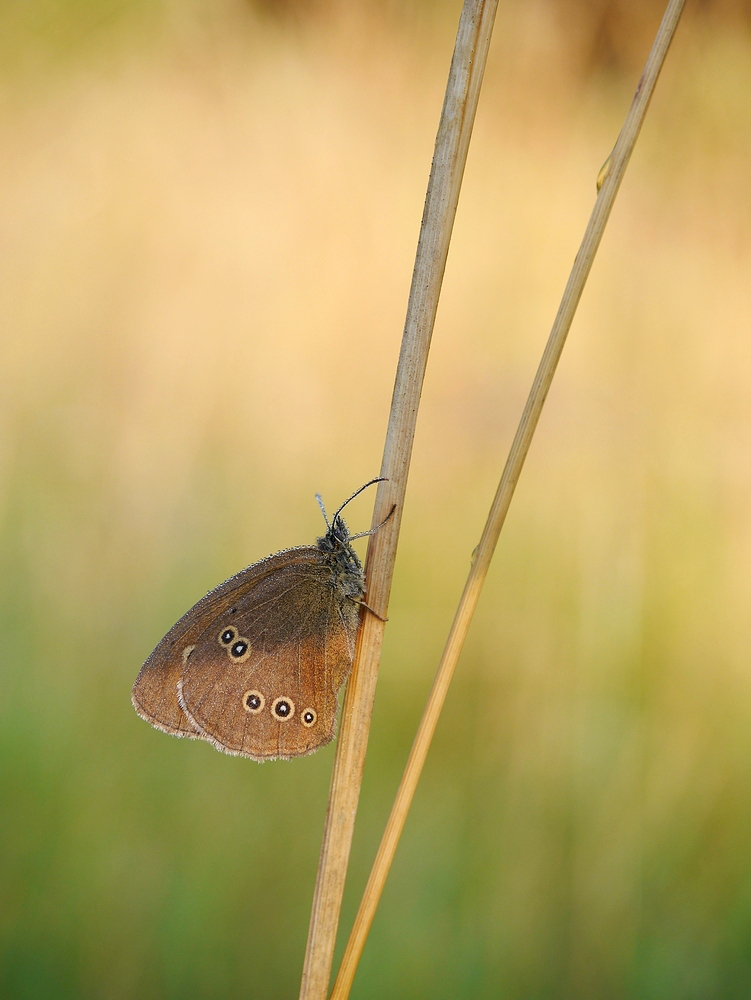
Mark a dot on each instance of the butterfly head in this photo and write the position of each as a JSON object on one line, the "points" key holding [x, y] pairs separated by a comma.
{"points": [[337, 540], [339, 531]]}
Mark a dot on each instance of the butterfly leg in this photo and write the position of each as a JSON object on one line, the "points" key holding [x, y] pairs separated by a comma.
{"points": [[368, 608]]}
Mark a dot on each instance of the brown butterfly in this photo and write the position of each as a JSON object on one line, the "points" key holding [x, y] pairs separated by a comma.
{"points": [[256, 666]]}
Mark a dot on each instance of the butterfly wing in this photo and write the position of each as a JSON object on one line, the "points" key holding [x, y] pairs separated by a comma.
{"points": [[154, 694], [256, 665]]}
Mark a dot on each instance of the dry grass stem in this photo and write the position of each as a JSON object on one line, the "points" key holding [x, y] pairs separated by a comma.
{"points": [[608, 188], [452, 142]]}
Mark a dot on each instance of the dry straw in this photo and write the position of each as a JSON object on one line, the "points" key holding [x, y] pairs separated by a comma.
{"points": [[454, 131], [608, 184]]}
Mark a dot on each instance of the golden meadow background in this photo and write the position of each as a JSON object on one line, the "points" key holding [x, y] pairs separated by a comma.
{"points": [[208, 215]]}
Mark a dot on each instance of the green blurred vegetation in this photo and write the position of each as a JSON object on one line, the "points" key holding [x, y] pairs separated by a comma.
{"points": [[209, 217]]}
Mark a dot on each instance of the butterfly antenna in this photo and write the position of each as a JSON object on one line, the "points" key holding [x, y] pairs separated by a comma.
{"points": [[380, 479], [319, 498], [372, 531]]}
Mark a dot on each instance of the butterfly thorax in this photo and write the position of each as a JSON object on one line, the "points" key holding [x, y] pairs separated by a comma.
{"points": [[346, 570]]}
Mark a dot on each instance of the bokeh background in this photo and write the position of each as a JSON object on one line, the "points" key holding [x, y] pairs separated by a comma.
{"points": [[208, 214]]}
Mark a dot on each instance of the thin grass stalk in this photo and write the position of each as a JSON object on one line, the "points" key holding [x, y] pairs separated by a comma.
{"points": [[608, 183], [452, 143]]}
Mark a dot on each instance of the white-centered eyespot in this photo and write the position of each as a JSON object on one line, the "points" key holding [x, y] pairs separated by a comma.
{"points": [[227, 636], [309, 717], [239, 650], [283, 708], [253, 702]]}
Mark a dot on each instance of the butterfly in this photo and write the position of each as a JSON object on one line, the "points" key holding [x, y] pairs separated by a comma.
{"points": [[255, 667]]}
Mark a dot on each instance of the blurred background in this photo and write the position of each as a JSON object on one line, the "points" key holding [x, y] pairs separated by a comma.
{"points": [[208, 214]]}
